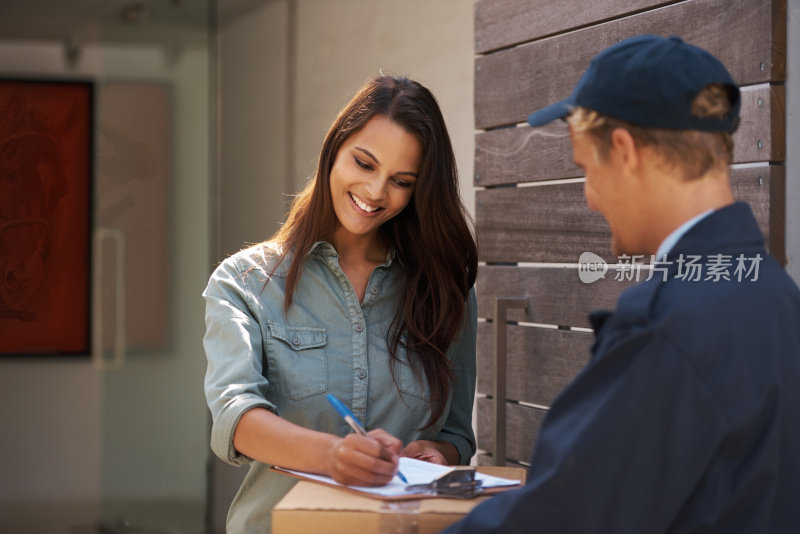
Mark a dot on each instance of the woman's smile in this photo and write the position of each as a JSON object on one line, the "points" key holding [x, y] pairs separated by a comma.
{"points": [[363, 206]]}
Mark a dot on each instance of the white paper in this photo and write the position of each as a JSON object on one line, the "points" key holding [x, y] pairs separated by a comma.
{"points": [[416, 471]]}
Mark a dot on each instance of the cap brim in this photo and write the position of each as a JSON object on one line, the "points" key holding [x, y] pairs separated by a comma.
{"points": [[559, 110]]}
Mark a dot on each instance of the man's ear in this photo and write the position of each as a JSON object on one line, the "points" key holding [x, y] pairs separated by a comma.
{"points": [[625, 149]]}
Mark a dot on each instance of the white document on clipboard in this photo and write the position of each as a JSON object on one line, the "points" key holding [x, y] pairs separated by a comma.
{"points": [[416, 471]]}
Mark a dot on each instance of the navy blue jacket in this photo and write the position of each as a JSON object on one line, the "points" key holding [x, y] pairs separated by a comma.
{"points": [[687, 417]]}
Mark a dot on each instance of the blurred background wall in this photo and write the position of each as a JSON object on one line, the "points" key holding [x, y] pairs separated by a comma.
{"points": [[287, 67]]}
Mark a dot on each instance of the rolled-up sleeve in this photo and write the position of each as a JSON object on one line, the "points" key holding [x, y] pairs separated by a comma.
{"points": [[457, 428], [235, 381]]}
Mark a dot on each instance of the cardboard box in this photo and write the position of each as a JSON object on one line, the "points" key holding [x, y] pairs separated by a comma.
{"points": [[311, 508]]}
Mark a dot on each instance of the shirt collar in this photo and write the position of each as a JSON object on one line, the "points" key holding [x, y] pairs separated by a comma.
{"points": [[677, 234], [324, 248]]}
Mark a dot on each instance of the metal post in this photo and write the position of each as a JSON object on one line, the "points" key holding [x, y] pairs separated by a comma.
{"points": [[501, 305]]}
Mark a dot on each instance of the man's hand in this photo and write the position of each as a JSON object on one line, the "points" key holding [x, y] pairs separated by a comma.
{"points": [[436, 452]]}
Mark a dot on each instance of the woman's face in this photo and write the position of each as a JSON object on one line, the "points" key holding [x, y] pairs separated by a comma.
{"points": [[373, 176]]}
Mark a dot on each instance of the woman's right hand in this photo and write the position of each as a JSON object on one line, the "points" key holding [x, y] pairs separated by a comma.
{"points": [[369, 460]]}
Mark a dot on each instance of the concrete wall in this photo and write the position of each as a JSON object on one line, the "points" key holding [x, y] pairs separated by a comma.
{"points": [[342, 43], [254, 148], [286, 69]]}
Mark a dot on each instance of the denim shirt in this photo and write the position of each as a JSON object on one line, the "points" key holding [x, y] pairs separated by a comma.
{"points": [[329, 343]]}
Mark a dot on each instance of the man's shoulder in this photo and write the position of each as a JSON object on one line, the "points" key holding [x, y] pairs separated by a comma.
{"points": [[725, 290], [710, 311]]}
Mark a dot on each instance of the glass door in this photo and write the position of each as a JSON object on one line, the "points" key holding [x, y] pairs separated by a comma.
{"points": [[153, 167]]}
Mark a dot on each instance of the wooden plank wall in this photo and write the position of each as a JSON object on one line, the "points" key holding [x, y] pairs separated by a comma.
{"points": [[532, 221]]}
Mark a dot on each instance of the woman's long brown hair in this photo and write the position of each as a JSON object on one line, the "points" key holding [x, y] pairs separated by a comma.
{"points": [[432, 236]]}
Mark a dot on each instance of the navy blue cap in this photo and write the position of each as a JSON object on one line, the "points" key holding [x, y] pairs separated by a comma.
{"points": [[649, 81]]}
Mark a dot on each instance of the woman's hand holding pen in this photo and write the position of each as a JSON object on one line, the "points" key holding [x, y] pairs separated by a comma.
{"points": [[369, 460]]}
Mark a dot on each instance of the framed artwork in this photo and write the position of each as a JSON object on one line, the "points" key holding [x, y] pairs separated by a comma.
{"points": [[45, 216]]}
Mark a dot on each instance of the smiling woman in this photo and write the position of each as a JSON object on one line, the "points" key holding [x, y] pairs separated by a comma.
{"points": [[365, 293]]}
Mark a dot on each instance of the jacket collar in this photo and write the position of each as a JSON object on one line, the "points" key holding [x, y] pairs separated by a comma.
{"points": [[731, 228]]}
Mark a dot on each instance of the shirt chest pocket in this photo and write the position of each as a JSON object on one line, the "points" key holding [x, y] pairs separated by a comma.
{"points": [[407, 382], [297, 365]]}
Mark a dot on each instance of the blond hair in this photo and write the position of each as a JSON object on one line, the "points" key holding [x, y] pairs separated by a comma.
{"points": [[692, 152]]}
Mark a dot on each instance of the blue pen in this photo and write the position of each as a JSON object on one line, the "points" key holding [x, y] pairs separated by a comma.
{"points": [[354, 423]]}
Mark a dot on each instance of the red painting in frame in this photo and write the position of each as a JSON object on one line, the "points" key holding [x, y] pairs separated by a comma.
{"points": [[45, 216]]}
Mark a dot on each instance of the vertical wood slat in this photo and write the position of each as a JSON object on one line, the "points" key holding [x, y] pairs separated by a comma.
{"points": [[551, 223], [540, 361], [485, 459], [510, 83], [776, 239], [555, 295], [522, 428], [502, 23], [524, 154], [761, 135]]}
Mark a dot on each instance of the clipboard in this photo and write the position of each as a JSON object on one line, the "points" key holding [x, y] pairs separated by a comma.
{"points": [[426, 480]]}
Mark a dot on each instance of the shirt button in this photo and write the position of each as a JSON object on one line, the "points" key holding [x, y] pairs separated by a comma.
{"points": [[362, 374], [358, 327], [296, 341], [374, 290]]}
